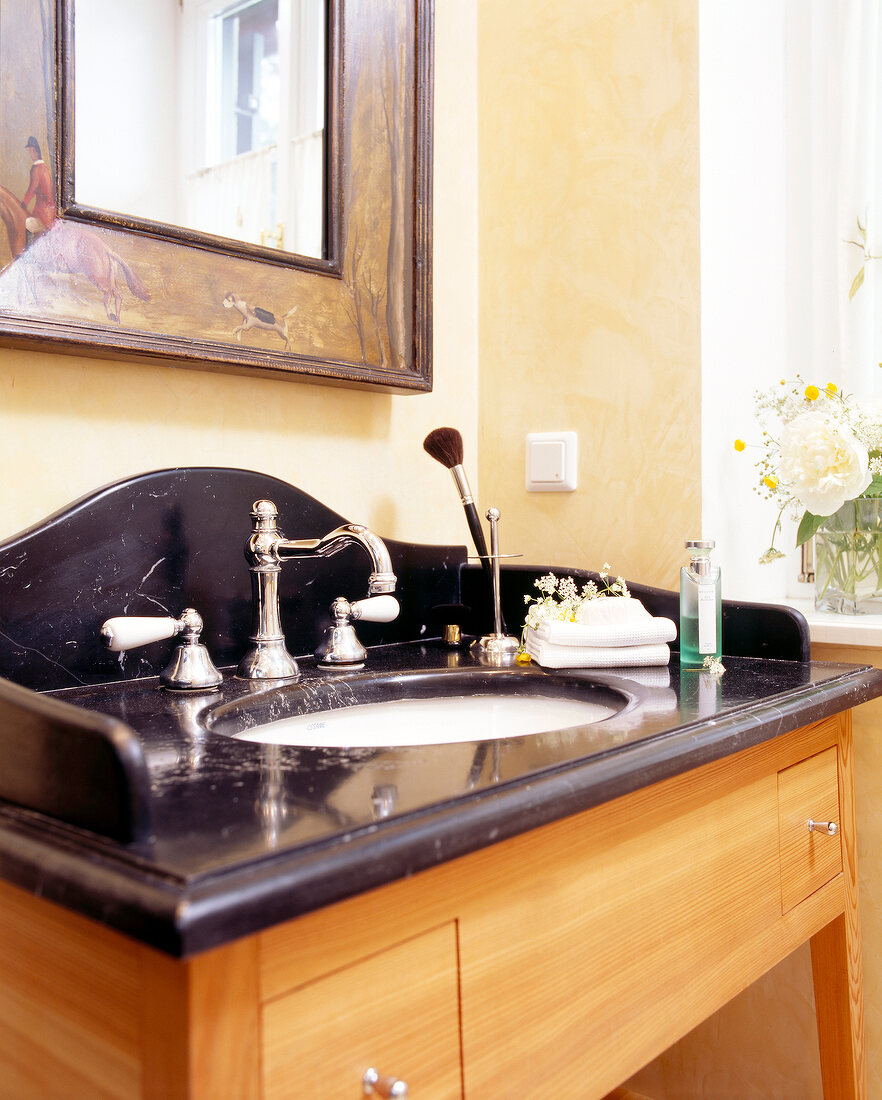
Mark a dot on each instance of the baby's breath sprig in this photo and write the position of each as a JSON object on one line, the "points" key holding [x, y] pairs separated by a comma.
{"points": [[714, 667], [561, 599]]}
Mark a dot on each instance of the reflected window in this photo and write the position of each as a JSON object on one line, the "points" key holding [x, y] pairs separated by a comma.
{"points": [[248, 91]]}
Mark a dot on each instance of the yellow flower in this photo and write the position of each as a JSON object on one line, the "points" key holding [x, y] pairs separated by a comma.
{"points": [[832, 389], [812, 393], [771, 482], [740, 444]]}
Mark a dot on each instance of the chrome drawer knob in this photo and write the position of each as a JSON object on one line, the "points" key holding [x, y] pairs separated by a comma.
{"points": [[828, 828], [375, 1084]]}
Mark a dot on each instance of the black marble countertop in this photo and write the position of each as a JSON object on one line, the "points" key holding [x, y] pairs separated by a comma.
{"points": [[244, 835]]}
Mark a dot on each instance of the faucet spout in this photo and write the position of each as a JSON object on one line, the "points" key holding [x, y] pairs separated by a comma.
{"points": [[267, 657], [381, 580]]}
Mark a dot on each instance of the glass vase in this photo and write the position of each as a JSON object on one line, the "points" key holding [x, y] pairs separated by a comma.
{"points": [[848, 559]]}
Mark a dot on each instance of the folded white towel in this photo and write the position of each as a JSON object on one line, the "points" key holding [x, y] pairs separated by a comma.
{"points": [[619, 621], [612, 610], [550, 655]]}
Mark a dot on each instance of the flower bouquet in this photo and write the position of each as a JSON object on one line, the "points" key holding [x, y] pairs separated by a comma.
{"points": [[821, 458]]}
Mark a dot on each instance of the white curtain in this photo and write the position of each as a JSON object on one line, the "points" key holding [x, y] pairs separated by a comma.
{"points": [[236, 198], [858, 179]]}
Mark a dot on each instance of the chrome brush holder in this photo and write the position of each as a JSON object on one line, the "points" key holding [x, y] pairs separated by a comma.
{"points": [[497, 648]]}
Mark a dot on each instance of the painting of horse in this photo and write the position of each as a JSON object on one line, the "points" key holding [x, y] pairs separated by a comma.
{"points": [[68, 248]]}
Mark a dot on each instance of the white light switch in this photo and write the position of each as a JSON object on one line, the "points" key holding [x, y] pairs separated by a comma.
{"points": [[552, 462]]}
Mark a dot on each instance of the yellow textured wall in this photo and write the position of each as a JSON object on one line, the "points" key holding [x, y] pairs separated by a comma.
{"points": [[589, 275], [69, 425]]}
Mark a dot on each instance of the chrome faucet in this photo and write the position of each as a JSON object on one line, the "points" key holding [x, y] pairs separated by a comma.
{"points": [[267, 657]]}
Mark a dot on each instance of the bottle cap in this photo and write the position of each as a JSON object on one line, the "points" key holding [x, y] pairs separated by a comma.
{"points": [[700, 544]]}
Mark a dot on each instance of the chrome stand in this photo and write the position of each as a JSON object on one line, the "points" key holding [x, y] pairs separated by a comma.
{"points": [[496, 648]]}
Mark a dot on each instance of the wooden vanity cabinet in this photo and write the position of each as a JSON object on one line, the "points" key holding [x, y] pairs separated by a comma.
{"points": [[555, 963]]}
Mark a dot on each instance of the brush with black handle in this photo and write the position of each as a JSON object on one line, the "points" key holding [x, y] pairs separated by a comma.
{"points": [[445, 446]]}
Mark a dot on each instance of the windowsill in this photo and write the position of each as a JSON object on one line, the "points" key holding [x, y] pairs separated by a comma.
{"points": [[836, 629]]}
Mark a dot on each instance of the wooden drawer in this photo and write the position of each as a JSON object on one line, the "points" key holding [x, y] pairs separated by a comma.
{"points": [[397, 1011], [808, 791]]}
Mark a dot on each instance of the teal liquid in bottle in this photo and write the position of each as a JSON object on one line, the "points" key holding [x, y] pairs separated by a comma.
{"points": [[701, 607]]}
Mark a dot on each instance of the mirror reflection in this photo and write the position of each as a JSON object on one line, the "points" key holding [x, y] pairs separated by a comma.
{"points": [[204, 114]]}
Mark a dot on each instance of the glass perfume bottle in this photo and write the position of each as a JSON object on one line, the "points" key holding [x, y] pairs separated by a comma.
{"points": [[701, 608]]}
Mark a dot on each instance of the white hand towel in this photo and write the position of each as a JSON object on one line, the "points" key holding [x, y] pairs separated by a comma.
{"points": [[551, 655], [610, 621]]}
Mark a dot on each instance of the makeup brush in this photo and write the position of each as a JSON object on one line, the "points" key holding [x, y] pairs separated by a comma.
{"points": [[445, 446]]}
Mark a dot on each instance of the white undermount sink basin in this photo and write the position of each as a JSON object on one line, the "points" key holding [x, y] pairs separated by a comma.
{"points": [[439, 721], [425, 708]]}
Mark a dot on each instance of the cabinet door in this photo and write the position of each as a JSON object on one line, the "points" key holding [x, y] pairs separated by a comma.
{"points": [[396, 1012], [808, 791]]}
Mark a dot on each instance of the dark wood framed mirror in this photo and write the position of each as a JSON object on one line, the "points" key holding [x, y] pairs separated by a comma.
{"points": [[84, 278]]}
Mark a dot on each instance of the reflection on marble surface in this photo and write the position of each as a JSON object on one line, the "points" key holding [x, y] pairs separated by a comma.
{"points": [[211, 795]]}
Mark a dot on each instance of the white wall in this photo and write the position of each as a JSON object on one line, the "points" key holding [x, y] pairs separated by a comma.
{"points": [[743, 270], [772, 285]]}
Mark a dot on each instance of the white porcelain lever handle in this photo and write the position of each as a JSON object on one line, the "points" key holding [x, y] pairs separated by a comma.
{"points": [[124, 633], [375, 609], [827, 828], [374, 1084]]}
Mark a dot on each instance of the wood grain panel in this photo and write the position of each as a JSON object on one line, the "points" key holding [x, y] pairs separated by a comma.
{"points": [[397, 1012], [571, 964], [69, 1012], [836, 960], [201, 1025], [808, 790]]}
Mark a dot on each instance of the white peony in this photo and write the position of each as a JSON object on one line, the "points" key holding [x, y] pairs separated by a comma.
{"points": [[822, 463]]}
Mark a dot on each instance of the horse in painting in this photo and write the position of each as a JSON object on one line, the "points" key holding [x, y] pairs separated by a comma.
{"points": [[68, 248]]}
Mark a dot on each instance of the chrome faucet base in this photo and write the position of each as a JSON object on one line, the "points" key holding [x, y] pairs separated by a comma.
{"points": [[341, 648], [190, 669], [268, 659], [496, 649]]}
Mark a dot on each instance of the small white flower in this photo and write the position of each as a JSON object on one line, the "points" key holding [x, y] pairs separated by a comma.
{"points": [[536, 615], [567, 590], [714, 667]]}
